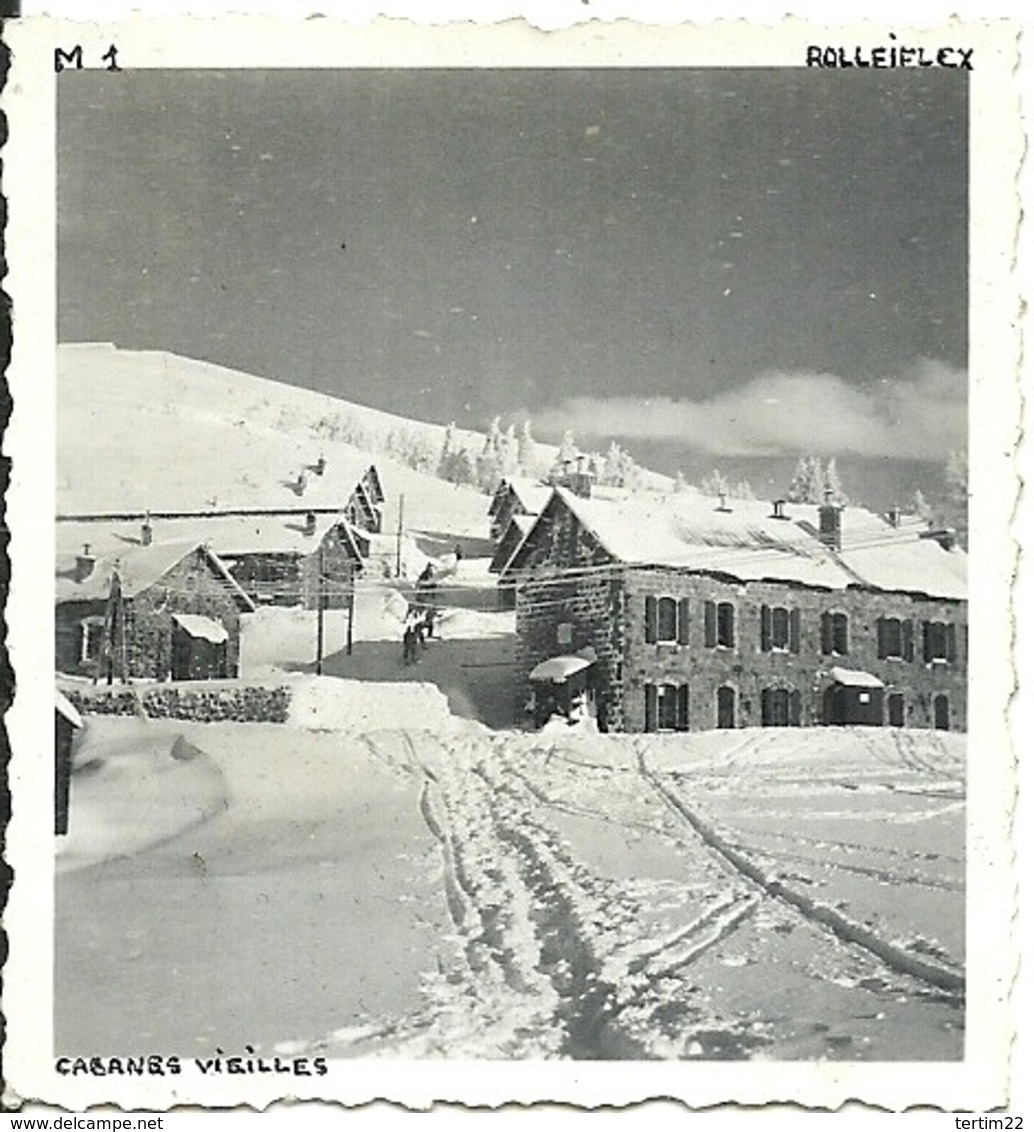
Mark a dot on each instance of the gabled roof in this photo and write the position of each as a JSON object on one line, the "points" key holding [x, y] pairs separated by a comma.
{"points": [[746, 541], [516, 530], [139, 568]]}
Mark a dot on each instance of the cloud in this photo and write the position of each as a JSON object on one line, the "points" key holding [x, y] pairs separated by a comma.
{"points": [[921, 415]]}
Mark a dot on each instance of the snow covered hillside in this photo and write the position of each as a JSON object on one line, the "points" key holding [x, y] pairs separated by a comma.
{"points": [[411, 884], [143, 430]]}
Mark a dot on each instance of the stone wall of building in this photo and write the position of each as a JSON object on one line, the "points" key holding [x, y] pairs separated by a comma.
{"points": [[749, 669], [189, 587]]}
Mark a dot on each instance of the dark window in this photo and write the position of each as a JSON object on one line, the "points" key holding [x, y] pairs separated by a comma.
{"points": [[726, 707], [834, 634], [667, 707], [719, 624], [896, 709], [780, 707], [780, 629], [894, 638], [938, 641], [941, 713]]}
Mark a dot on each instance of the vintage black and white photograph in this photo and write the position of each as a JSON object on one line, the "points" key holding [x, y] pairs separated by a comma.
{"points": [[511, 566]]}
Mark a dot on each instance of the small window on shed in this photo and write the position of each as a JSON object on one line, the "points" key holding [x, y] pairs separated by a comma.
{"points": [[92, 629]]}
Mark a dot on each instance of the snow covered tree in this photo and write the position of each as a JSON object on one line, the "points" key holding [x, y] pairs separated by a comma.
{"points": [[809, 481], [919, 506], [526, 449], [510, 457], [742, 490], [832, 489], [447, 451], [714, 483], [679, 484]]}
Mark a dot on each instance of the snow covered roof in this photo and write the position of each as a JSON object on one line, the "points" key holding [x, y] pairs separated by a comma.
{"points": [[66, 708], [138, 568], [559, 668], [227, 535], [531, 494], [855, 678], [747, 541], [203, 628]]}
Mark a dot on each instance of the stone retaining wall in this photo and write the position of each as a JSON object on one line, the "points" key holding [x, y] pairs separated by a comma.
{"points": [[238, 704]]}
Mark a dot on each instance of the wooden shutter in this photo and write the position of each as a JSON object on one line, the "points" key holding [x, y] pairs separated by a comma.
{"points": [[950, 631], [682, 721], [907, 647], [827, 634], [651, 620], [651, 707], [683, 621], [710, 625], [766, 707], [766, 628], [881, 639], [927, 642], [795, 708], [795, 630]]}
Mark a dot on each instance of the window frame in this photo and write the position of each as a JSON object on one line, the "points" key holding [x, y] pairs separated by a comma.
{"points": [[91, 631], [903, 647]]}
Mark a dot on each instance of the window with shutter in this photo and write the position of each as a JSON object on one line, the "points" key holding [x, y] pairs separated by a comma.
{"points": [[651, 619], [726, 707], [726, 626], [795, 630], [682, 722], [894, 638], [667, 620], [710, 625], [780, 629], [667, 707], [651, 707], [766, 628], [938, 641], [684, 621]]}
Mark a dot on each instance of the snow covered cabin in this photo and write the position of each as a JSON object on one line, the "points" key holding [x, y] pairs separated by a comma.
{"points": [[743, 614], [158, 611]]}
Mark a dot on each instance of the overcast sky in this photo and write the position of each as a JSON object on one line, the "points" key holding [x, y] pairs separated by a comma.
{"points": [[761, 260]]}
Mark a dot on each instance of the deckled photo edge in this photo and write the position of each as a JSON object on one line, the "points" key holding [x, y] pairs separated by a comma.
{"points": [[996, 143]]}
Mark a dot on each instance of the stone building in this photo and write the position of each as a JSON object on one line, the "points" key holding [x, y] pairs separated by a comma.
{"points": [[743, 614], [154, 610]]}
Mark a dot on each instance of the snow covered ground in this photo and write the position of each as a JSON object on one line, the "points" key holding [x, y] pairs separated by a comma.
{"points": [[411, 884]]}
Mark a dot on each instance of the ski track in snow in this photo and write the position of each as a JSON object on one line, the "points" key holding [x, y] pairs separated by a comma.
{"points": [[551, 957]]}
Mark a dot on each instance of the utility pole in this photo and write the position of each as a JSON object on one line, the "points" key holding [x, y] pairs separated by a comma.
{"points": [[398, 539], [319, 613], [351, 610]]}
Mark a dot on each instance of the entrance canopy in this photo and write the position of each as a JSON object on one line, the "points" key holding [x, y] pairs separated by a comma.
{"points": [[855, 678], [203, 628], [559, 668]]}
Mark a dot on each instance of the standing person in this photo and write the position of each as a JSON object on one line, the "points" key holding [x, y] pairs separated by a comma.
{"points": [[409, 644]]}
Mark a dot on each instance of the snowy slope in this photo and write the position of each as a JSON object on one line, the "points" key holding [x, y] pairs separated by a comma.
{"points": [[144, 430]]}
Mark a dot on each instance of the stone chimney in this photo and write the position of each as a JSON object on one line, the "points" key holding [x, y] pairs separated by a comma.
{"points": [[778, 511], [146, 532], [894, 516], [829, 523], [84, 564], [310, 523]]}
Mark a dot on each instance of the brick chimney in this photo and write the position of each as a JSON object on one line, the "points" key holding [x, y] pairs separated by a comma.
{"points": [[829, 523], [310, 522], [84, 564], [777, 509]]}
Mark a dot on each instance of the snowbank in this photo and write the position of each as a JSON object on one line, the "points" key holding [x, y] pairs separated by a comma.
{"points": [[325, 703]]}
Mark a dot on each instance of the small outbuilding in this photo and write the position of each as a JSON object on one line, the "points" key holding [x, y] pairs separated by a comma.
{"points": [[853, 697]]}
